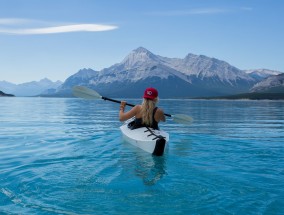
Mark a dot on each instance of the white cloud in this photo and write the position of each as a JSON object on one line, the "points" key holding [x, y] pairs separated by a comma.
{"points": [[21, 27]]}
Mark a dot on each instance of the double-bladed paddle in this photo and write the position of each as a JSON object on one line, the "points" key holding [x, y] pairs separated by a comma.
{"points": [[87, 93]]}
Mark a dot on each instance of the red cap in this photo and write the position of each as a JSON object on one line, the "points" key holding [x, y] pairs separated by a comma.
{"points": [[150, 93]]}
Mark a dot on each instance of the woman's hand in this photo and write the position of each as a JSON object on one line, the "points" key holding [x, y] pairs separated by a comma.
{"points": [[122, 105]]}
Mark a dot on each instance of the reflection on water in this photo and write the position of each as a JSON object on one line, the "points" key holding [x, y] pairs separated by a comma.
{"points": [[150, 168]]}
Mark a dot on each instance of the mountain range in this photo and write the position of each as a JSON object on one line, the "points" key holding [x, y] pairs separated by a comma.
{"points": [[188, 77], [33, 88], [192, 76]]}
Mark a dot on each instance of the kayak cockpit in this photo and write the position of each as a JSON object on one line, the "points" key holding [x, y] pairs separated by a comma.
{"points": [[145, 138]]}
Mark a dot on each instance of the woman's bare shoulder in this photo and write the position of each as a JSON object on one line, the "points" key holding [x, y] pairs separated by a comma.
{"points": [[138, 107], [160, 114], [160, 111]]}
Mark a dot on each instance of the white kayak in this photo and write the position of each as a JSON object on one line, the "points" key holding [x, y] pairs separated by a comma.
{"points": [[147, 139]]}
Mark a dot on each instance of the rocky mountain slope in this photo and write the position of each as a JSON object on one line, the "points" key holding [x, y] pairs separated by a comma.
{"points": [[271, 84], [2, 94], [192, 76]]}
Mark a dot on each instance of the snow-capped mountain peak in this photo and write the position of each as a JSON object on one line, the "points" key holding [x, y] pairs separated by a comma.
{"points": [[260, 74], [138, 57], [85, 73], [203, 67]]}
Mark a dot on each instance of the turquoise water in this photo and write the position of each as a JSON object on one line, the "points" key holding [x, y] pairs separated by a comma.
{"points": [[66, 156]]}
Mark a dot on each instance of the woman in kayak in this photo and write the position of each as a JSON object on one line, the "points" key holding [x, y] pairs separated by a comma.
{"points": [[146, 114]]}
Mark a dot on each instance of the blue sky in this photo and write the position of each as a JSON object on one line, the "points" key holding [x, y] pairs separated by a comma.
{"points": [[56, 38]]}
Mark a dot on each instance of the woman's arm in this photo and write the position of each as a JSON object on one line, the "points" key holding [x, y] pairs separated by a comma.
{"points": [[125, 116]]}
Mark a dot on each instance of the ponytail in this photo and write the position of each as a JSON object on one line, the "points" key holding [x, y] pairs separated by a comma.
{"points": [[147, 111]]}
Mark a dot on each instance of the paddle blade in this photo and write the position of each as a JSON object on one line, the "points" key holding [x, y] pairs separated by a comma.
{"points": [[86, 93], [182, 118]]}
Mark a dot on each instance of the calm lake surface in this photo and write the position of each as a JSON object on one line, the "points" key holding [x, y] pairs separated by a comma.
{"points": [[67, 156]]}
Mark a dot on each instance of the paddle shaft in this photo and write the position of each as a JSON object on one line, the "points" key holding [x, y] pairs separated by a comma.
{"points": [[86, 93], [131, 105]]}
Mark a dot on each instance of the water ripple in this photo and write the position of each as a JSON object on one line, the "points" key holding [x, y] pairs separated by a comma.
{"points": [[66, 156]]}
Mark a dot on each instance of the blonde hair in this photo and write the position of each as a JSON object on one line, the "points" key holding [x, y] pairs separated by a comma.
{"points": [[147, 110]]}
